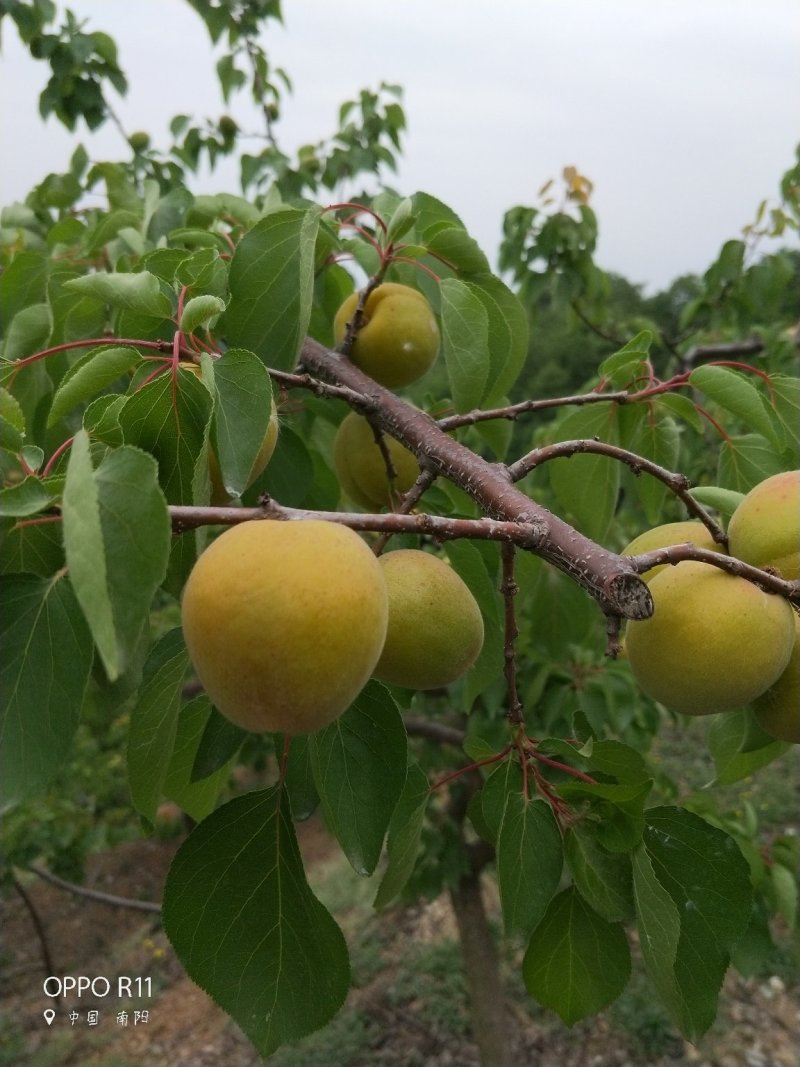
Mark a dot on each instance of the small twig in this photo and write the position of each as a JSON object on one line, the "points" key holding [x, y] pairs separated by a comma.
{"points": [[765, 579], [94, 894], [678, 484], [525, 534], [509, 589], [338, 392], [47, 955], [424, 481], [513, 411], [357, 321]]}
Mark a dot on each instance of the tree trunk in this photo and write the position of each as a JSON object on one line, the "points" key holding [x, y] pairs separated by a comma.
{"points": [[490, 1027]]}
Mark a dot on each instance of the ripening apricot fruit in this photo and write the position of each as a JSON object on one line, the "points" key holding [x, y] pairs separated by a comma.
{"points": [[435, 630], [361, 467], [219, 494], [284, 622], [764, 530], [714, 642], [399, 339], [671, 533], [778, 710]]}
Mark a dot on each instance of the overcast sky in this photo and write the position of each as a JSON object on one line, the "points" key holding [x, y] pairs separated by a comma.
{"points": [[684, 114]]}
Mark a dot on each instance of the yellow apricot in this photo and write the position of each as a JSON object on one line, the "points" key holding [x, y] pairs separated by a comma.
{"points": [[399, 339], [435, 630], [778, 710], [714, 642], [765, 528], [284, 622], [361, 467], [671, 533]]}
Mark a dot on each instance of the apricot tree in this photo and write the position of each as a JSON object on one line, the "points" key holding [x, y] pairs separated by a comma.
{"points": [[534, 762]]}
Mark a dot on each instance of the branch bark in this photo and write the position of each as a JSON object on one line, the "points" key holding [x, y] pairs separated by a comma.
{"points": [[606, 576]]}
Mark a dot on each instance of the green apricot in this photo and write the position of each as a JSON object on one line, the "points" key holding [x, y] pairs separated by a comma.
{"points": [[361, 468], [715, 642], [435, 629], [399, 339], [764, 531]]}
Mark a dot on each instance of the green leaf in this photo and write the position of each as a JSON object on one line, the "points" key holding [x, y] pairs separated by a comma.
{"points": [[29, 497], [741, 398], [290, 474], [154, 721], [681, 407], [628, 363], [47, 657], [785, 395], [22, 283], [300, 787], [508, 336], [401, 222], [271, 284], [460, 251], [739, 747], [471, 567], [12, 422], [405, 832], [246, 926], [503, 781], [86, 554], [220, 741], [139, 292], [620, 810], [529, 861], [28, 331], [465, 342], [241, 415], [603, 877], [195, 797], [693, 900], [199, 310], [92, 373], [745, 461], [576, 962], [172, 429], [657, 439], [587, 486], [359, 764], [117, 536]]}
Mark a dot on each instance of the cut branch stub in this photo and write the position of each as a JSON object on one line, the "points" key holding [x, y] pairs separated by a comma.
{"points": [[609, 578]]}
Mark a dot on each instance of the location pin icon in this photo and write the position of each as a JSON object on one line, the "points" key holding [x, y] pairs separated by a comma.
{"points": [[49, 1015]]}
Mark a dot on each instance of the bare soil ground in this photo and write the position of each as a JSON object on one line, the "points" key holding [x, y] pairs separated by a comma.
{"points": [[394, 1017]]}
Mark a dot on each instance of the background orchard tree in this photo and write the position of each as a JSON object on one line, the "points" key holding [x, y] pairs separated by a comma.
{"points": [[536, 468]]}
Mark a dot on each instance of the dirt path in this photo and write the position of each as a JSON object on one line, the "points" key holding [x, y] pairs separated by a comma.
{"points": [[399, 1015]]}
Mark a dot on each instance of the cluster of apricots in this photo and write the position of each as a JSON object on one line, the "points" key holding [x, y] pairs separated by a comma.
{"points": [[286, 622], [716, 641]]}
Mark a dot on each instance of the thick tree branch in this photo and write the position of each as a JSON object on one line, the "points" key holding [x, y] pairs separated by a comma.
{"points": [[604, 574]]}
